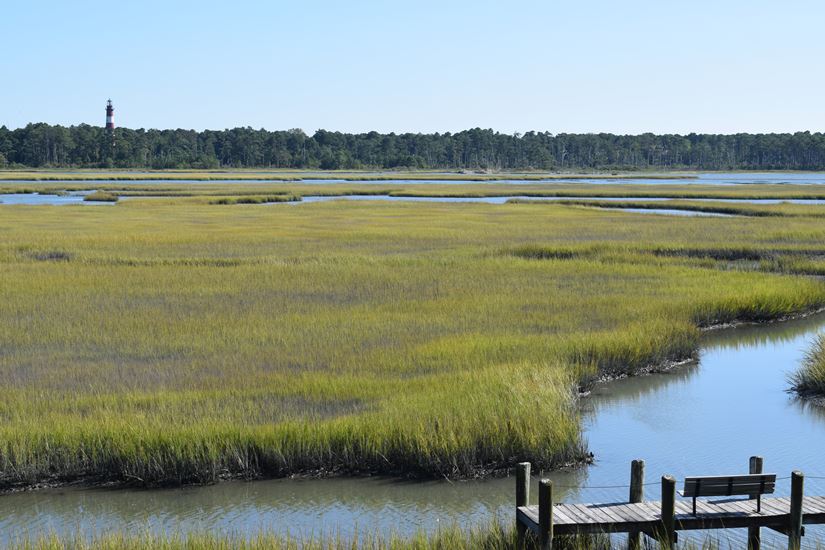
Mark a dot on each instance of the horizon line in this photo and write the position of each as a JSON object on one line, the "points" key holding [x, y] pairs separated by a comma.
{"points": [[414, 132]]}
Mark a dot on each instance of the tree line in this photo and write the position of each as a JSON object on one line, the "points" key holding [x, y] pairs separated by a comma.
{"points": [[43, 145]]}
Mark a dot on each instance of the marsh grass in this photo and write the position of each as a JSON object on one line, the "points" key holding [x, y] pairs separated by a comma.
{"points": [[101, 196], [495, 536], [257, 199], [726, 208], [531, 189], [171, 342]]}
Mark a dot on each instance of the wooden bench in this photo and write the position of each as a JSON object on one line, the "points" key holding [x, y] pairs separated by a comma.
{"points": [[751, 485]]}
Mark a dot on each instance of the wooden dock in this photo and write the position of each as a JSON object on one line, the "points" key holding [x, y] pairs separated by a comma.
{"points": [[662, 519]]}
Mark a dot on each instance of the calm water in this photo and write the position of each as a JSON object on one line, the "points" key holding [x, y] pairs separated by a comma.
{"points": [[671, 212], [702, 178], [502, 200], [702, 419], [77, 198], [737, 178], [37, 198]]}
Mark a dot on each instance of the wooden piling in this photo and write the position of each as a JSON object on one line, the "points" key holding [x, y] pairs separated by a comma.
{"points": [[637, 494], [754, 533], [522, 499], [545, 514], [667, 537], [795, 523]]}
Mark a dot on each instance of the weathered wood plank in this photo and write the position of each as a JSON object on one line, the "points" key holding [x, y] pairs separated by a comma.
{"points": [[653, 509], [588, 516], [633, 513], [611, 511], [528, 512], [645, 516], [570, 514], [772, 508], [813, 504], [560, 515]]}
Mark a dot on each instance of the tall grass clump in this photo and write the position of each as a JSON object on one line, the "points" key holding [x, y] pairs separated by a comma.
{"points": [[261, 199], [101, 196], [809, 380]]}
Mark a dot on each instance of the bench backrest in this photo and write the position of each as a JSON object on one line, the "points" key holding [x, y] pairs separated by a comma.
{"points": [[715, 486]]}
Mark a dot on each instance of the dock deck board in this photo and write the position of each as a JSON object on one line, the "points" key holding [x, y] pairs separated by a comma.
{"points": [[623, 517]]}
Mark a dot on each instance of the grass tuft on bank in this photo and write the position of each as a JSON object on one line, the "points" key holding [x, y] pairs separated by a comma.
{"points": [[101, 196], [261, 199], [809, 380]]}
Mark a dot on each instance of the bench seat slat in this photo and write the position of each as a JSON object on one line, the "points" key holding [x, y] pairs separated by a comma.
{"points": [[751, 485], [736, 478], [718, 490]]}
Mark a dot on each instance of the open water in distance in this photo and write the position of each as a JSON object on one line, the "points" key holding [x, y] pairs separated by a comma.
{"points": [[702, 178], [701, 419], [37, 198]]}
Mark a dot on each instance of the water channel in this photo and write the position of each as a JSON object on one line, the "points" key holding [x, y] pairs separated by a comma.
{"points": [[75, 197], [702, 178], [700, 419]]}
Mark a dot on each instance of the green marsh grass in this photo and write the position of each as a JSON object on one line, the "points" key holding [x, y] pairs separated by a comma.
{"points": [[492, 537], [257, 199], [101, 196], [731, 209], [532, 189], [175, 341]]}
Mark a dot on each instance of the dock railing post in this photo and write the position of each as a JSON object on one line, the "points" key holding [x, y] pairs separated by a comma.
{"points": [[545, 514], [667, 536], [754, 534], [637, 494], [795, 526], [522, 499]]}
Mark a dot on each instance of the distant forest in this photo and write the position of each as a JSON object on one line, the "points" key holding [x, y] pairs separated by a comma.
{"points": [[43, 145]]}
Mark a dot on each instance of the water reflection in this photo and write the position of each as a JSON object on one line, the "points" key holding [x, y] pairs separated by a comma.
{"points": [[763, 334], [634, 389]]}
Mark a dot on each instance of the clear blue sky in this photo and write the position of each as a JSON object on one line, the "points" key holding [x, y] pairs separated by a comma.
{"points": [[626, 66]]}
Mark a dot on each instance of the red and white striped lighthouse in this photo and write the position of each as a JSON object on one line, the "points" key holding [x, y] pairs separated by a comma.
{"points": [[110, 116]]}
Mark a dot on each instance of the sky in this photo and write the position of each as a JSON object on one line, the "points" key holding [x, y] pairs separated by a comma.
{"points": [[621, 66]]}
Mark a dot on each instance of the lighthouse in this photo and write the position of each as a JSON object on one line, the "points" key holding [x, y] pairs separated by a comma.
{"points": [[110, 116]]}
